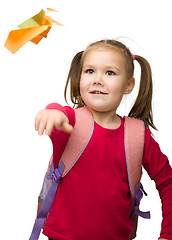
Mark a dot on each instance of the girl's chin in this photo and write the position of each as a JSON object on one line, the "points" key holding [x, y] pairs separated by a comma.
{"points": [[98, 108]]}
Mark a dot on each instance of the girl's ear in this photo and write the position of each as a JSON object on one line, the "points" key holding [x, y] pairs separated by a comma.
{"points": [[130, 85]]}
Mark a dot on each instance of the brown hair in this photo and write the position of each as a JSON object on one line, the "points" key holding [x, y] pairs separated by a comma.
{"points": [[142, 108]]}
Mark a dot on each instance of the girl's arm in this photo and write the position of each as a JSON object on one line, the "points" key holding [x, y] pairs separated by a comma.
{"points": [[159, 170], [58, 122]]}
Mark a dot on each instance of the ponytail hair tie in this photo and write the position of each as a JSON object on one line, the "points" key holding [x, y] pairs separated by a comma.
{"points": [[133, 56]]}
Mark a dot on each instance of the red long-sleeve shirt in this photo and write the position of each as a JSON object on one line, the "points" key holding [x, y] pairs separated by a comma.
{"points": [[93, 199]]}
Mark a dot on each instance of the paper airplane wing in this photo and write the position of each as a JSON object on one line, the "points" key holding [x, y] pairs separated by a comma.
{"points": [[17, 38], [33, 29]]}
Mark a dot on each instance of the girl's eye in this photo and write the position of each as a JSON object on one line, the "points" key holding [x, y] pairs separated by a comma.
{"points": [[89, 71], [110, 73]]}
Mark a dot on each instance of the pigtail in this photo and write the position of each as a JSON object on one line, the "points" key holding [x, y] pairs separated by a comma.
{"points": [[74, 80], [142, 108]]}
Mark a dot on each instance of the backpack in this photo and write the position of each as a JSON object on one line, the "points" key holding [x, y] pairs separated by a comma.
{"points": [[134, 144]]}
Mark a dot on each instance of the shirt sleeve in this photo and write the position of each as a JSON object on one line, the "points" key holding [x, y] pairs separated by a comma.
{"points": [[159, 170], [59, 138]]}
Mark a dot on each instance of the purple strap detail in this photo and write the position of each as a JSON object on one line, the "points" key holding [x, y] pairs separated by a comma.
{"points": [[138, 197], [140, 213], [46, 206], [51, 169], [61, 167], [56, 175]]}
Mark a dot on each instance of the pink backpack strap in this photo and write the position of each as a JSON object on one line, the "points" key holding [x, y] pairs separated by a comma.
{"points": [[79, 138], [134, 145]]}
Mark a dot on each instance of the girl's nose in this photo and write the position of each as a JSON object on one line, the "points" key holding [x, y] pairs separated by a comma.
{"points": [[98, 80]]}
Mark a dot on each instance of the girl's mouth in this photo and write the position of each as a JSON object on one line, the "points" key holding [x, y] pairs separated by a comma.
{"points": [[97, 92]]}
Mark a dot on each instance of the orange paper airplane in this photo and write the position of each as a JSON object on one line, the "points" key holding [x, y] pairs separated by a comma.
{"points": [[33, 29]]}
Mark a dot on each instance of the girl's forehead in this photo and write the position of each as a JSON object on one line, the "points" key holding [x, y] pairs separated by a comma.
{"points": [[103, 52]]}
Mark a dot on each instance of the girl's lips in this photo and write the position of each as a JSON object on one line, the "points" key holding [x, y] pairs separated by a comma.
{"points": [[97, 92]]}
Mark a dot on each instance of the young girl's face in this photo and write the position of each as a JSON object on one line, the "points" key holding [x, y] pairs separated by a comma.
{"points": [[104, 79]]}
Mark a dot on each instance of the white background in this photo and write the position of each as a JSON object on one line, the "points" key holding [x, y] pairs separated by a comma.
{"points": [[36, 75]]}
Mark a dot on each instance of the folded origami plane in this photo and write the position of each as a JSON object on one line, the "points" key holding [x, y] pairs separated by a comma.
{"points": [[33, 29]]}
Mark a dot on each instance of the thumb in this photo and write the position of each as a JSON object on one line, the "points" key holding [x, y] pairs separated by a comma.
{"points": [[66, 127]]}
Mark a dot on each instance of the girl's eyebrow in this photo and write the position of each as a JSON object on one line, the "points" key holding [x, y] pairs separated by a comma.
{"points": [[88, 66], [110, 67], [92, 66]]}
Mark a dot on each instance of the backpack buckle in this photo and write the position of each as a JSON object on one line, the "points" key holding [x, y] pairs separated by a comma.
{"points": [[56, 175]]}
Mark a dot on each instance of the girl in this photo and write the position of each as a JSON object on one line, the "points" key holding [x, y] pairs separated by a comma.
{"points": [[97, 206]]}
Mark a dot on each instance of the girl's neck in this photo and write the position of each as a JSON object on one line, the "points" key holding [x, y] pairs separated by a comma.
{"points": [[108, 120]]}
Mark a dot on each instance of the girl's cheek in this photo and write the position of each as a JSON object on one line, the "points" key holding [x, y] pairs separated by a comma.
{"points": [[83, 82], [82, 87]]}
